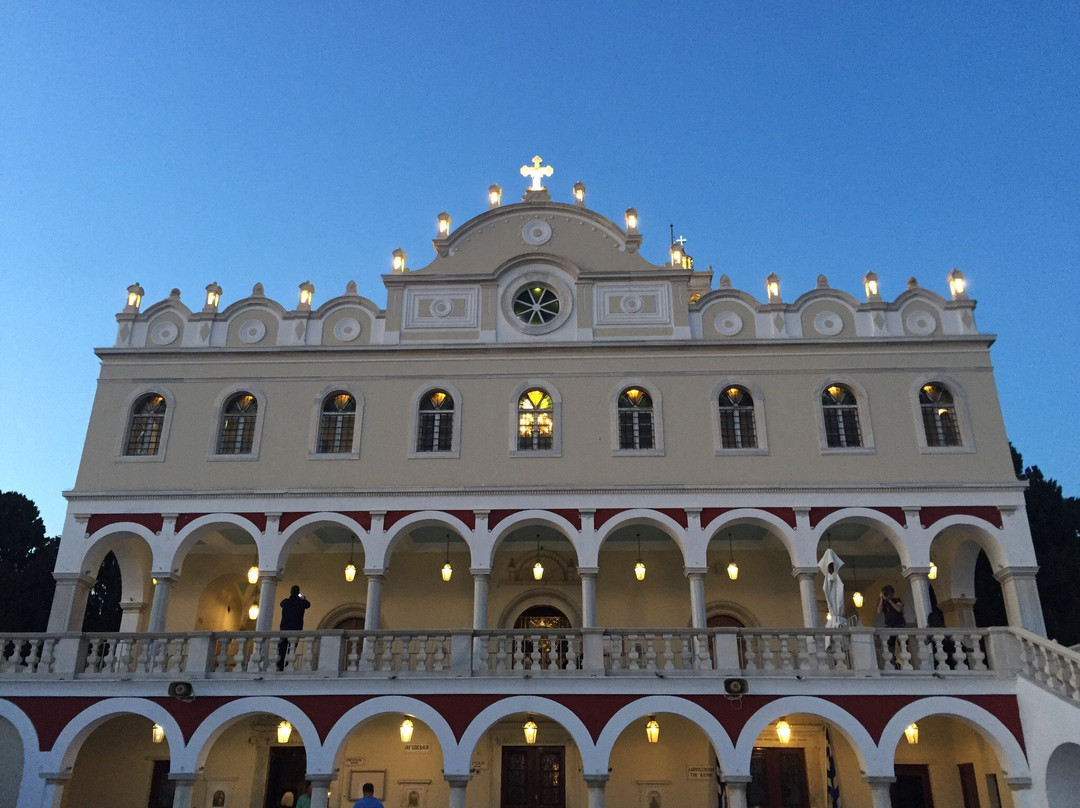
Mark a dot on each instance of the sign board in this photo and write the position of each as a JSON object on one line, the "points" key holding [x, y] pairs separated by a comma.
{"points": [[700, 772]]}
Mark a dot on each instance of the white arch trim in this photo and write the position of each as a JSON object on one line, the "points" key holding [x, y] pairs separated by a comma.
{"points": [[665, 523], [30, 780], [459, 761], [223, 717], [856, 734], [986, 538], [380, 705], [800, 556], [290, 535], [1010, 755], [94, 546], [535, 516], [649, 705], [421, 519], [900, 540], [186, 537], [66, 747]]}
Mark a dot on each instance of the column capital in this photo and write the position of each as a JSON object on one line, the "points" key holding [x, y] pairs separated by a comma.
{"points": [[878, 780], [595, 780], [457, 779], [911, 572], [183, 777], [165, 576], [1018, 783], [480, 572], [56, 778], [375, 573], [800, 572], [690, 572], [270, 575], [1018, 573], [736, 779], [588, 572], [77, 578], [321, 779]]}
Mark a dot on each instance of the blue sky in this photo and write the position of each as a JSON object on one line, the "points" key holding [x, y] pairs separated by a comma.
{"points": [[177, 144]]}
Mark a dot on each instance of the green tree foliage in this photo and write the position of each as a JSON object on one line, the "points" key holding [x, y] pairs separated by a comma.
{"points": [[103, 605], [27, 557]]}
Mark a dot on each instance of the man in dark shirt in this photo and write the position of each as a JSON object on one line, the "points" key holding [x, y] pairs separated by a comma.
{"points": [[292, 619]]}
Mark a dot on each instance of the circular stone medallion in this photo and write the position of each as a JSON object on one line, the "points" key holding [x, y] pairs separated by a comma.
{"points": [[631, 304], [728, 323], [441, 307], [828, 323], [164, 333], [347, 329], [252, 331], [536, 232], [921, 323]]}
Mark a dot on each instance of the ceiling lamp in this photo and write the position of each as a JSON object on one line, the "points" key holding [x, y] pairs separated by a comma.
{"points": [[253, 611], [652, 730], [350, 568], [932, 575], [856, 596], [253, 575], [530, 731], [284, 731], [538, 568], [912, 733], [732, 567], [406, 730], [783, 731], [447, 570], [639, 567], [157, 733]]}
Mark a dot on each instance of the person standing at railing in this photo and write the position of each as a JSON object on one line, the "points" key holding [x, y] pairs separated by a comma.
{"points": [[892, 612], [292, 619]]}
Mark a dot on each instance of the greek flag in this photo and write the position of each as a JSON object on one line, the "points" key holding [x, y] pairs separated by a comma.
{"points": [[832, 778]]}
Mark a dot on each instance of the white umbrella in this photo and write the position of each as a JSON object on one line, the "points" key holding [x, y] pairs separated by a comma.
{"points": [[830, 565]]}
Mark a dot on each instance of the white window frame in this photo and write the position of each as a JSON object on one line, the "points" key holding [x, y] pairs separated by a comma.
{"points": [[414, 420], [166, 424], [260, 423], [862, 403], [960, 405], [556, 414], [657, 413], [759, 416], [316, 421]]}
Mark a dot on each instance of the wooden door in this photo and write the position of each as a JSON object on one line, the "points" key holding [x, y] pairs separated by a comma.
{"points": [[161, 787], [778, 778], [533, 777], [969, 786], [287, 770], [912, 786]]}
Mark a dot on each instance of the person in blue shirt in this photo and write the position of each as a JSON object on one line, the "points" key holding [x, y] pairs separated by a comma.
{"points": [[368, 800]]}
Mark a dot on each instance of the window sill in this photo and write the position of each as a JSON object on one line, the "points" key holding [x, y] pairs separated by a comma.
{"points": [[215, 458], [757, 451], [452, 454], [637, 452], [536, 453], [848, 450], [333, 455], [946, 450], [154, 458]]}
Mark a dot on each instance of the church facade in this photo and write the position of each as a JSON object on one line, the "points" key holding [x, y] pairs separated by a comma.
{"points": [[557, 513]]}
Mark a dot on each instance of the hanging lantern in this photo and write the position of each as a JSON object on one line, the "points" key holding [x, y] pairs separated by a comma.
{"points": [[530, 731], [652, 730], [253, 611], [857, 599], [783, 731], [157, 733], [538, 568], [639, 567], [350, 568], [284, 731], [447, 570], [732, 567], [253, 575], [912, 733], [406, 730], [932, 575]]}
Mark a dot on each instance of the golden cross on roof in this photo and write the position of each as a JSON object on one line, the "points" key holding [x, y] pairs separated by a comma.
{"points": [[537, 172]]}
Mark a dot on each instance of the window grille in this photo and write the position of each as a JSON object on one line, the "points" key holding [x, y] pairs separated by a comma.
{"points": [[237, 433], [635, 420], [738, 429], [336, 423], [939, 415], [536, 421], [435, 422], [144, 431], [841, 412]]}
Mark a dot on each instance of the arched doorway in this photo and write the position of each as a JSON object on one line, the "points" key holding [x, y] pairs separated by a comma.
{"points": [[1063, 776], [542, 617], [546, 650]]}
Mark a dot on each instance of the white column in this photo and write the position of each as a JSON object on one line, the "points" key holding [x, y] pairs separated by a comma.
{"points": [[1022, 604], [596, 784], [131, 615], [320, 789], [588, 596], [736, 791], [696, 577], [479, 598], [879, 791], [160, 605], [375, 580], [920, 593], [457, 783], [268, 582], [806, 576], [69, 601], [182, 793]]}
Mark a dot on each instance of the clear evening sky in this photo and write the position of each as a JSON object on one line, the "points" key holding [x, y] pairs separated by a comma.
{"points": [[177, 144]]}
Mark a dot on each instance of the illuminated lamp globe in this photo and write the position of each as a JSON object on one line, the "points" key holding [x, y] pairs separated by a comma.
{"points": [[253, 575], [911, 732], [733, 570], [857, 599], [447, 571], [652, 730], [639, 570], [253, 611], [350, 572], [932, 575], [157, 733], [406, 730], [783, 731], [530, 729], [284, 732], [538, 571]]}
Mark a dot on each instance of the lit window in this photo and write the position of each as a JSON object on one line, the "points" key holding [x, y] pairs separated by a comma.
{"points": [[237, 433], [336, 423], [841, 412], [536, 421], [738, 430], [435, 425], [144, 431], [635, 419], [939, 415], [536, 305]]}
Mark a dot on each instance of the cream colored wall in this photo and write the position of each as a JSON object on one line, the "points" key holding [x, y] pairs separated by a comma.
{"points": [[586, 378], [114, 765], [237, 763], [11, 753]]}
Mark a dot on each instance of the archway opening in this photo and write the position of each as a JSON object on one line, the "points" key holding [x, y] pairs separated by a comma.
{"points": [[429, 585], [12, 753], [965, 591], [118, 759], [762, 591], [678, 768], [215, 591], [870, 563], [1063, 776], [255, 761], [641, 583], [103, 611]]}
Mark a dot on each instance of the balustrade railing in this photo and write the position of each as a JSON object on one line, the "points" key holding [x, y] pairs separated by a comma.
{"points": [[1050, 665], [555, 652]]}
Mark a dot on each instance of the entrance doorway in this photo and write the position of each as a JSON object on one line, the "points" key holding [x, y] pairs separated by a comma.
{"points": [[161, 787], [533, 777], [544, 619], [778, 778], [912, 786], [287, 771]]}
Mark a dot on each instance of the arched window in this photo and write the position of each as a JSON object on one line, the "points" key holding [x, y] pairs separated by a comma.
{"points": [[636, 419], [144, 430], [939, 415], [841, 412], [738, 430], [336, 423], [536, 421], [435, 422], [237, 433]]}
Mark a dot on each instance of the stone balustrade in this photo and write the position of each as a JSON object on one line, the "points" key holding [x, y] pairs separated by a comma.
{"points": [[852, 651], [1050, 665]]}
